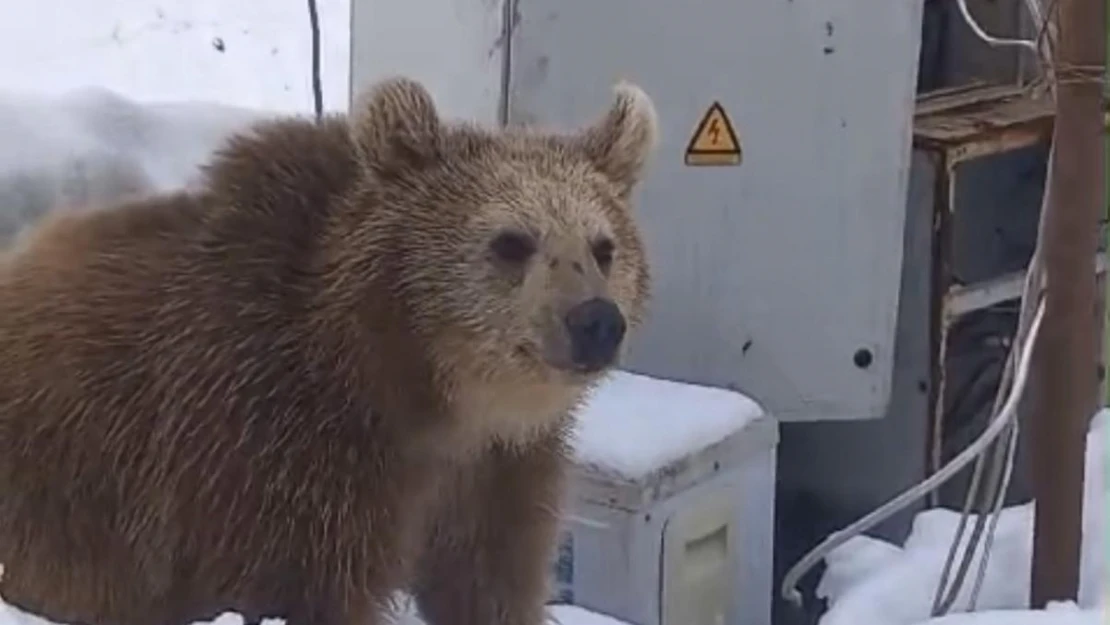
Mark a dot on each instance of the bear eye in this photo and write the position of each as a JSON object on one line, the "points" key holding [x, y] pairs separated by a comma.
{"points": [[513, 247], [603, 253]]}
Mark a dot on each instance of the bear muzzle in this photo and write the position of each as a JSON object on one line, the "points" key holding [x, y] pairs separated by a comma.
{"points": [[596, 328]]}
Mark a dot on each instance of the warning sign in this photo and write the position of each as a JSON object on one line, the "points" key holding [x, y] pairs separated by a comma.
{"points": [[714, 141]]}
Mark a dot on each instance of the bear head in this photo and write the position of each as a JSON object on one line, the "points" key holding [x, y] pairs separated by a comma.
{"points": [[516, 252]]}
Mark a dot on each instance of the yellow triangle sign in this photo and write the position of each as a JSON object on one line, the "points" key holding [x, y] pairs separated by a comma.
{"points": [[714, 141]]}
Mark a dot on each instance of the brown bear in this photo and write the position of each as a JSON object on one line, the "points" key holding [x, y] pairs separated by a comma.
{"points": [[345, 366]]}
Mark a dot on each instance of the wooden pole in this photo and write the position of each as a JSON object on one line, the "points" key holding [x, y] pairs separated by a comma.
{"points": [[1065, 374]]}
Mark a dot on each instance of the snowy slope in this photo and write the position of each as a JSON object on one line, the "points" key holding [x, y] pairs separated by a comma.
{"points": [[873, 582], [92, 146], [78, 80], [241, 52]]}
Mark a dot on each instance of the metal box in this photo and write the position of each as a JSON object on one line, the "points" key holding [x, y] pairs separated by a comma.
{"points": [[669, 520], [777, 260], [455, 47]]}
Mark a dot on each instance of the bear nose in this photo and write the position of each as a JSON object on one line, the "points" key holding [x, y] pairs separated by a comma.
{"points": [[596, 328]]}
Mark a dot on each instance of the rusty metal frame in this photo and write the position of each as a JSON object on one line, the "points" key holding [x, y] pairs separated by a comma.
{"points": [[954, 126]]}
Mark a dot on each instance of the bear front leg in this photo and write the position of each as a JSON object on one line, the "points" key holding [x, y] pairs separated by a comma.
{"points": [[487, 560]]}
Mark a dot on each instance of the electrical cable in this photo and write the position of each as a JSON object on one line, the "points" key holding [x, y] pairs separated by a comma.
{"points": [[1043, 47], [941, 603], [990, 39], [317, 89], [999, 471], [996, 515], [1033, 283], [1003, 455], [944, 474]]}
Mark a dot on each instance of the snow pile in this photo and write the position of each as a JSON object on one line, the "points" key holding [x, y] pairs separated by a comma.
{"points": [[68, 139], [870, 581], [241, 52], [634, 424], [92, 146]]}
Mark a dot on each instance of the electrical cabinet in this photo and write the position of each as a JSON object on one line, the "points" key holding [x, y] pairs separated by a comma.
{"points": [[774, 210]]}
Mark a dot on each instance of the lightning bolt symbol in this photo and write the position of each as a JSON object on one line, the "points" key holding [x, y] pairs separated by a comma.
{"points": [[714, 131]]}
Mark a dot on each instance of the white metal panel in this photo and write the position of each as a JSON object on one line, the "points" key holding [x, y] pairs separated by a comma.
{"points": [[453, 46], [699, 579], [770, 276]]}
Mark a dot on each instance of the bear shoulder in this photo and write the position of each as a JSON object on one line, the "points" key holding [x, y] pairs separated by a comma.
{"points": [[289, 164]]}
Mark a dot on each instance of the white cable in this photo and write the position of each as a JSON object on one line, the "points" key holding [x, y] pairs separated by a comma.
{"points": [[974, 450], [992, 497], [996, 515], [941, 601], [985, 524], [997, 42], [1033, 283], [945, 595], [994, 493]]}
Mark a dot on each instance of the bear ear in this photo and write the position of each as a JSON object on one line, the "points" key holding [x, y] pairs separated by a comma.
{"points": [[621, 142], [395, 123]]}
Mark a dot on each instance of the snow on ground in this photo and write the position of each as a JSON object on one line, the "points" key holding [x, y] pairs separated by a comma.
{"points": [[557, 615], [1057, 614], [873, 582]]}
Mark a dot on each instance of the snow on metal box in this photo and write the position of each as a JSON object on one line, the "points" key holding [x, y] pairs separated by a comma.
{"points": [[640, 438], [774, 209]]}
